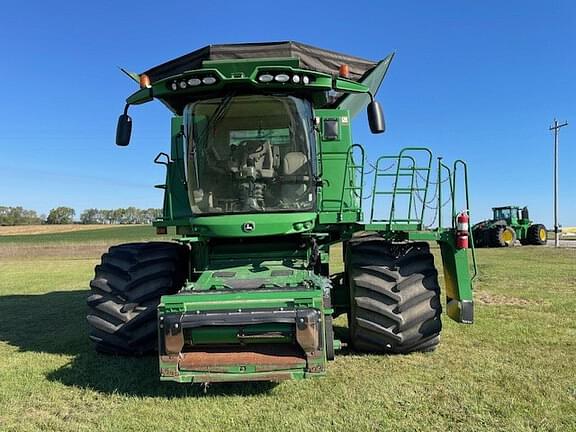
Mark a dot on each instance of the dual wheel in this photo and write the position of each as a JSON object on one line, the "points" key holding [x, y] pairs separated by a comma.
{"points": [[394, 296], [125, 293], [536, 235], [505, 236]]}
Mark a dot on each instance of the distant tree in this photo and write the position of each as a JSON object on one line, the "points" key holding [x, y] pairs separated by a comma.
{"points": [[129, 215], [18, 216], [90, 216], [118, 216], [60, 216], [151, 214]]}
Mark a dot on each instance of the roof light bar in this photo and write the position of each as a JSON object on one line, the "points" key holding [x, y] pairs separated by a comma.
{"points": [[191, 82]]}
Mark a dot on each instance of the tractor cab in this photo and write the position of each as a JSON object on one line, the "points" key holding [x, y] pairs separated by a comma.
{"points": [[512, 215]]}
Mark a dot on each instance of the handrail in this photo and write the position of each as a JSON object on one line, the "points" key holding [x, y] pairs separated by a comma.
{"points": [[375, 183], [460, 162], [353, 167], [398, 167], [449, 178], [413, 169]]}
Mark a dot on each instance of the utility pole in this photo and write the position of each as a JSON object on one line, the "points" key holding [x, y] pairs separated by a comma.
{"points": [[556, 129]]}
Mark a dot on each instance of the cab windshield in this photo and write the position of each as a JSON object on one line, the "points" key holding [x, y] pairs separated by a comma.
{"points": [[250, 154], [502, 213]]}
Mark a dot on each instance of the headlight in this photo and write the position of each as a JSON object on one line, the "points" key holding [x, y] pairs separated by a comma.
{"points": [[281, 78], [306, 79], [296, 79], [183, 84], [265, 78], [209, 80], [174, 86], [194, 82]]}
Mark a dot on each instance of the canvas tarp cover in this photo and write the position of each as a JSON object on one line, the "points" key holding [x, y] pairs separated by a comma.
{"points": [[310, 57]]}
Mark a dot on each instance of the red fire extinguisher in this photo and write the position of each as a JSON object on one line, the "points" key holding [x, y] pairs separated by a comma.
{"points": [[462, 221]]}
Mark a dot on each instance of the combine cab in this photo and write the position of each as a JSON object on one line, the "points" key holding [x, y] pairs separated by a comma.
{"points": [[262, 179]]}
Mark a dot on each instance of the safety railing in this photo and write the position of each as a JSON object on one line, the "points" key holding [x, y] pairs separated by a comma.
{"points": [[409, 176], [404, 183]]}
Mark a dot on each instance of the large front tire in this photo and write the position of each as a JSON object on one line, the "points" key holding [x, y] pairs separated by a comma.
{"points": [[502, 236], [394, 295], [536, 235], [125, 293]]}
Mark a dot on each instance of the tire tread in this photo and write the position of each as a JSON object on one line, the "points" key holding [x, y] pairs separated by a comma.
{"points": [[395, 296], [125, 293]]}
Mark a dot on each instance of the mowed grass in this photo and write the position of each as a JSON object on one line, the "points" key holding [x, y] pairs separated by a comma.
{"points": [[514, 370]]}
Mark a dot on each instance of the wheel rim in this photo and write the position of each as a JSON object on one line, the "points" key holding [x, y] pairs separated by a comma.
{"points": [[542, 234], [507, 236]]}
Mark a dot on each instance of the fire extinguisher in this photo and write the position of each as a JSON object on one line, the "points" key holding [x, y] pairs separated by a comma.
{"points": [[462, 221]]}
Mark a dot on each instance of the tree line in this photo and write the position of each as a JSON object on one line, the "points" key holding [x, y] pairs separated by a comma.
{"points": [[19, 216], [128, 215], [65, 215]]}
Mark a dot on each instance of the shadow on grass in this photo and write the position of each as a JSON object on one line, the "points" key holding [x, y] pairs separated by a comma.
{"points": [[55, 323]]}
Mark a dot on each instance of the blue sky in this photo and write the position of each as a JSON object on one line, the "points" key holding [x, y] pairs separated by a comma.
{"points": [[480, 81]]}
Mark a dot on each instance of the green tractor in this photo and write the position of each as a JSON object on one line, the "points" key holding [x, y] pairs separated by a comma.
{"points": [[507, 225], [263, 182]]}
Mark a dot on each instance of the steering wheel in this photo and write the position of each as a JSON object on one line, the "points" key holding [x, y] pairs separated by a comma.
{"points": [[252, 146]]}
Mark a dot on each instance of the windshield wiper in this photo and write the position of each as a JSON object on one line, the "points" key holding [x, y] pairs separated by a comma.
{"points": [[219, 113]]}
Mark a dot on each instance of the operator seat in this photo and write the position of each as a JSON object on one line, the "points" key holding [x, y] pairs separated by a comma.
{"points": [[259, 153], [295, 175]]}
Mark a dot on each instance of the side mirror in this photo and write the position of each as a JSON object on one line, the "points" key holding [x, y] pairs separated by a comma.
{"points": [[123, 130], [375, 117]]}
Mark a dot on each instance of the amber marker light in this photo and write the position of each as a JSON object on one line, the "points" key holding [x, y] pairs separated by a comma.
{"points": [[344, 71], [145, 81]]}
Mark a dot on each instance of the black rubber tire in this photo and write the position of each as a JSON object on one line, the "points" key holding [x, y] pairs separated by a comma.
{"points": [[480, 236], [496, 236], [394, 297], [125, 293], [533, 235], [329, 334]]}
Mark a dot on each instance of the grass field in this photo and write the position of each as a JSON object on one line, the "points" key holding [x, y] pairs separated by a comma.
{"points": [[51, 229], [514, 370], [104, 234]]}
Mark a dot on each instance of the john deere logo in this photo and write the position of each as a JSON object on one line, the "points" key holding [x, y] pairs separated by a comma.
{"points": [[248, 227]]}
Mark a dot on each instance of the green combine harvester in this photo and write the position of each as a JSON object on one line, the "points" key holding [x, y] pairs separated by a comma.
{"points": [[507, 225], [262, 178]]}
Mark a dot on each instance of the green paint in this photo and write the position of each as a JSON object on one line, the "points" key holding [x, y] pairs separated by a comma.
{"points": [[263, 176]]}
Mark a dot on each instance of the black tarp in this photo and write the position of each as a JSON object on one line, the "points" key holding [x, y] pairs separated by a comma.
{"points": [[310, 57]]}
